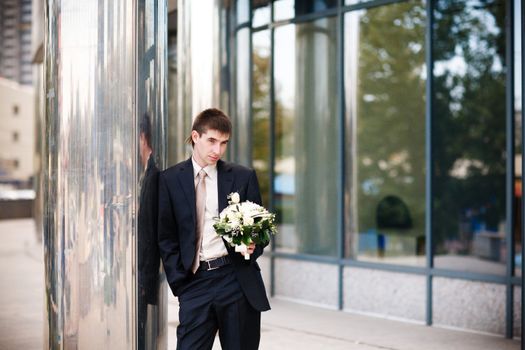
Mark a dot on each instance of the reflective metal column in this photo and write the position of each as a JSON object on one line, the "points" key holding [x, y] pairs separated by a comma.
{"points": [[202, 56], [99, 84]]}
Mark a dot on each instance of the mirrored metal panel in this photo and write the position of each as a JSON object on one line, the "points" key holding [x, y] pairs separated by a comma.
{"points": [[96, 85], [151, 111]]}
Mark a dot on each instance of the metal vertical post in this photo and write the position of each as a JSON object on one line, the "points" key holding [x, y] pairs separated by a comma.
{"points": [[509, 198], [428, 151], [522, 178]]}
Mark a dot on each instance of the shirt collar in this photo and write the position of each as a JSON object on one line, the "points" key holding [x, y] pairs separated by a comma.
{"points": [[211, 170]]}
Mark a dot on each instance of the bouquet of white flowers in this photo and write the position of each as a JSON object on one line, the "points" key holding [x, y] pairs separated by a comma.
{"points": [[241, 224]]}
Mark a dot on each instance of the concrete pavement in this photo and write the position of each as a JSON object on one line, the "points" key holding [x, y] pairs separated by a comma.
{"points": [[287, 326], [21, 286], [294, 326]]}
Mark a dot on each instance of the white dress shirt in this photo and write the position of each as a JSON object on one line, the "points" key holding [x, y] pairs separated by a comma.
{"points": [[212, 245]]}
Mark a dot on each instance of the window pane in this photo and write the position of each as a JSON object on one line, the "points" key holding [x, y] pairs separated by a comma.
{"points": [[306, 138], [385, 101], [468, 136], [285, 9], [518, 83], [303, 7], [261, 111], [261, 12], [243, 11], [242, 105]]}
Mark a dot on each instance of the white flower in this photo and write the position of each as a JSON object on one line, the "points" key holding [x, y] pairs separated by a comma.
{"points": [[234, 198], [250, 209], [225, 213], [248, 220]]}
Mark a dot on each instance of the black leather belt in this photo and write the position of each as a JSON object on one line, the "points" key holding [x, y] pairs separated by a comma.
{"points": [[213, 264]]}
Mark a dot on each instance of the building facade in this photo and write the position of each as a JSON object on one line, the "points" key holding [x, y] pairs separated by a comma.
{"points": [[385, 136], [17, 132], [16, 93], [15, 40]]}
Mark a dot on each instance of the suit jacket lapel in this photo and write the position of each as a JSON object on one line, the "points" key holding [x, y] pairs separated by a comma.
{"points": [[187, 182], [224, 182]]}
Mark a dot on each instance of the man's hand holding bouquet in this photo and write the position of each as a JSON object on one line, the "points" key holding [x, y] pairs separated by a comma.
{"points": [[245, 224]]}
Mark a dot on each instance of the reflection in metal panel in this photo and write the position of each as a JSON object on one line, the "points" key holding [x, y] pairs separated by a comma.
{"points": [[151, 103], [91, 167]]}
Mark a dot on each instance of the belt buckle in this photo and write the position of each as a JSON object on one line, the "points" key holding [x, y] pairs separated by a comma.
{"points": [[209, 266]]}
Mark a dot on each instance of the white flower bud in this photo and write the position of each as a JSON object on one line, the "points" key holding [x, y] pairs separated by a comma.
{"points": [[235, 198]]}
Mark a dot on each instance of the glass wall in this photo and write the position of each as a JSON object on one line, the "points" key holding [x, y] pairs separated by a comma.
{"points": [[296, 141], [306, 137], [382, 132], [469, 136], [385, 101]]}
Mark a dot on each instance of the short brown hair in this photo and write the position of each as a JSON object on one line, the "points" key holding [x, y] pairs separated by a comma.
{"points": [[211, 119]]}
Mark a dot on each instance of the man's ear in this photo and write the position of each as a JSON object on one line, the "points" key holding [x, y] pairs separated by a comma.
{"points": [[194, 135]]}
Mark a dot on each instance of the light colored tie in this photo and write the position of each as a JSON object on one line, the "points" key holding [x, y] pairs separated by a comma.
{"points": [[200, 205]]}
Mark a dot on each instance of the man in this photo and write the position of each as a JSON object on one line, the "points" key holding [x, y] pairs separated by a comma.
{"points": [[218, 289], [148, 251]]}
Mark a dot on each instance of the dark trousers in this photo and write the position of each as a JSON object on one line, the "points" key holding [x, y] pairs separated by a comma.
{"points": [[213, 301]]}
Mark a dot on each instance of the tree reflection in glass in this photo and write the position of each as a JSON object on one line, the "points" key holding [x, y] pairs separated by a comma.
{"points": [[468, 135], [261, 112], [306, 137], [385, 101]]}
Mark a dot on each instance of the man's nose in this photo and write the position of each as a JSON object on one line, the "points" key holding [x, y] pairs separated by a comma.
{"points": [[216, 148]]}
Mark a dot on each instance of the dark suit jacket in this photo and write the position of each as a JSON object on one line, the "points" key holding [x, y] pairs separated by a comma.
{"points": [[176, 226], [148, 250]]}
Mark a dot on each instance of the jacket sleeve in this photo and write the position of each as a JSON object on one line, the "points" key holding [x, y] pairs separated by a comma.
{"points": [[253, 194], [168, 238]]}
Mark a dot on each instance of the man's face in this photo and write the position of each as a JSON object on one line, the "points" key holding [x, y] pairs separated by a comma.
{"points": [[209, 147]]}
